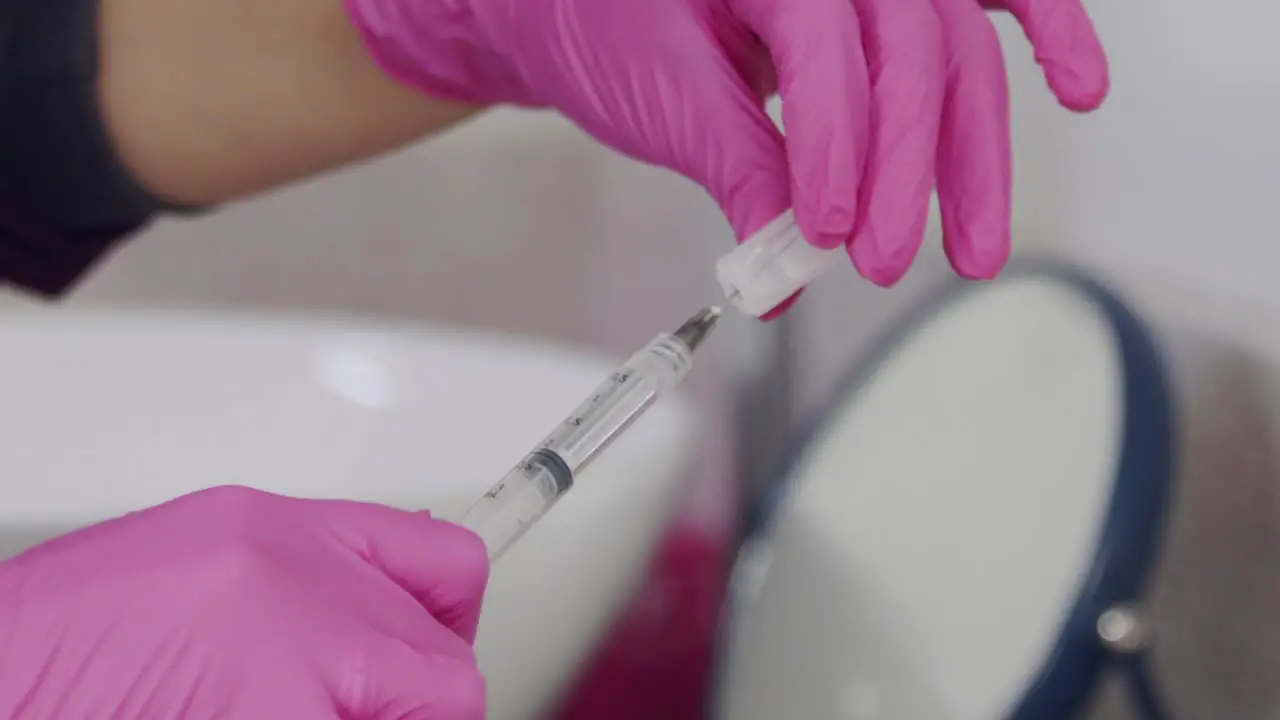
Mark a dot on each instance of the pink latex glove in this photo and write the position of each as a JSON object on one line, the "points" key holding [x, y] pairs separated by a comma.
{"points": [[232, 603], [882, 99]]}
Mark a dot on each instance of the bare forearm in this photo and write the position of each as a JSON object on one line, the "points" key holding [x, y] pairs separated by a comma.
{"points": [[212, 100]]}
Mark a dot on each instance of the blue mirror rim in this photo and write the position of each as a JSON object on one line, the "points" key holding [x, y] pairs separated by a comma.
{"points": [[1132, 530]]}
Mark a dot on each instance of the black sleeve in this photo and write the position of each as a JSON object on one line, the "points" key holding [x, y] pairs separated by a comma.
{"points": [[65, 199]]}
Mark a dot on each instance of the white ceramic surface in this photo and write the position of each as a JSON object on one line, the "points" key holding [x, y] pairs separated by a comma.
{"points": [[103, 413], [942, 521]]}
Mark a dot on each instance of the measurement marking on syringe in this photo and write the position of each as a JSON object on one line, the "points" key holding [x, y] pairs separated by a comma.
{"points": [[538, 481]]}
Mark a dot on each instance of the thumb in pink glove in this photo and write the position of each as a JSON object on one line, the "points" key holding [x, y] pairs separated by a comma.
{"points": [[232, 603], [882, 100]]}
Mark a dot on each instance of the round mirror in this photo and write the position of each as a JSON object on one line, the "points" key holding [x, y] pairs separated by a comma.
{"points": [[948, 534]]}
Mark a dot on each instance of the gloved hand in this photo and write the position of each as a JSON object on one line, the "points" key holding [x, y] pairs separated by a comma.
{"points": [[232, 603], [881, 99]]}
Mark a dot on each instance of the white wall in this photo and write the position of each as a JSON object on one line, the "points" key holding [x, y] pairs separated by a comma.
{"points": [[508, 222]]}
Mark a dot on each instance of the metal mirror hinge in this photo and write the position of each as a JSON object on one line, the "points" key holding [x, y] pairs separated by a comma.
{"points": [[1124, 629]]}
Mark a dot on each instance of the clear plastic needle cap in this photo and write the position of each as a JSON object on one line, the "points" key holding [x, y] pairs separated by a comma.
{"points": [[772, 265]]}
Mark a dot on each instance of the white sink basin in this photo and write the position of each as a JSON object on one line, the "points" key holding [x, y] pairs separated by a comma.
{"points": [[108, 412]]}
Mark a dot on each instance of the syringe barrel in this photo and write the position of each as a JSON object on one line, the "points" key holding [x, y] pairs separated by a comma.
{"points": [[619, 401], [533, 486], [519, 500]]}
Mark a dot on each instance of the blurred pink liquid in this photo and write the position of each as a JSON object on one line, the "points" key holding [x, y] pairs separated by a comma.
{"points": [[658, 661]]}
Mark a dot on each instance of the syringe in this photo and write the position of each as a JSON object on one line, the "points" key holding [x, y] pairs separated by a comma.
{"points": [[538, 481]]}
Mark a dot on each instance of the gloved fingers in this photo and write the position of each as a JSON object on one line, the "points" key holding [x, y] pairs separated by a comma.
{"points": [[426, 637], [398, 682], [729, 145], [1067, 49], [906, 60], [782, 308], [974, 156], [445, 567], [732, 148], [745, 166], [822, 76]]}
